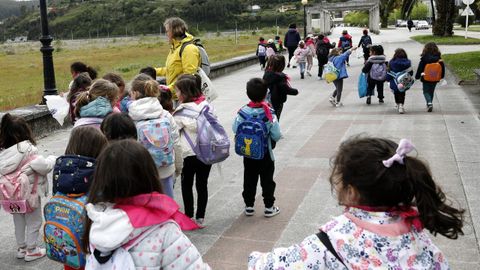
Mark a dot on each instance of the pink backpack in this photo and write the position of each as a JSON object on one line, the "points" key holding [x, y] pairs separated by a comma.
{"points": [[17, 196]]}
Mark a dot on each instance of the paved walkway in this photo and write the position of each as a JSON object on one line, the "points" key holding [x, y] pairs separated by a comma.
{"points": [[446, 138]]}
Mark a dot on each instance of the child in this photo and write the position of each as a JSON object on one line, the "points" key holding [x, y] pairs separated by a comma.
{"points": [[271, 49], [345, 43], [120, 83], [301, 54], [265, 167], [261, 52], [338, 61], [365, 42], [376, 70], [431, 70], [390, 200], [19, 157], [310, 43], [79, 67], [119, 126], [191, 98], [73, 173], [156, 128], [278, 44], [278, 83], [80, 84], [150, 71], [94, 105], [323, 47], [126, 208], [399, 63]]}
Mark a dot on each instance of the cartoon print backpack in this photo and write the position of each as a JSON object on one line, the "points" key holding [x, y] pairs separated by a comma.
{"points": [[403, 79], [156, 136], [251, 138], [64, 226], [330, 72], [205, 64], [17, 196], [378, 71], [262, 51], [346, 43], [73, 174], [433, 72], [212, 144]]}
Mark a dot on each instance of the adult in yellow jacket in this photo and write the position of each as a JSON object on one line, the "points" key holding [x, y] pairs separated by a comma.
{"points": [[175, 65]]}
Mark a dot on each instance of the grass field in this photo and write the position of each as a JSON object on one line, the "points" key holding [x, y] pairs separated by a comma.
{"points": [[455, 40], [21, 72], [463, 64]]}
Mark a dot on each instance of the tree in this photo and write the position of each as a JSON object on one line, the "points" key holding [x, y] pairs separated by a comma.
{"points": [[442, 22], [386, 6]]}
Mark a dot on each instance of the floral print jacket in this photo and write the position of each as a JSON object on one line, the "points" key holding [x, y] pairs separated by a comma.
{"points": [[358, 247]]}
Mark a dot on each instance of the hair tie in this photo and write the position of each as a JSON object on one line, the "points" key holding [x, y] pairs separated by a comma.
{"points": [[404, 147]]}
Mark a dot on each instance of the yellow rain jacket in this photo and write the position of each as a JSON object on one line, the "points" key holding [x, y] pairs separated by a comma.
{"points": [[176, 66]]}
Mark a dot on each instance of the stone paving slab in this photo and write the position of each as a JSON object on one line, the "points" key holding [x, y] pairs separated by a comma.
{"points": [[312, 129]]}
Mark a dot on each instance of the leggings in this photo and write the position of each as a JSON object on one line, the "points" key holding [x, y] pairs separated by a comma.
{"points": [[194, 168], [27, 228], [291, 51], [338, 89]]}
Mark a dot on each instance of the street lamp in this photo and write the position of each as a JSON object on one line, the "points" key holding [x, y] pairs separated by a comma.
{"points": [[46, 40], [304, 3]]}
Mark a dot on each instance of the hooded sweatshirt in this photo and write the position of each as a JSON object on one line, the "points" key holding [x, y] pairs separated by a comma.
{"points": [[279, 87], [428, 59], [301, 54], [166, 247], [397, 65], [292, 37], [149, 108], [374, 59], [94, 112]]}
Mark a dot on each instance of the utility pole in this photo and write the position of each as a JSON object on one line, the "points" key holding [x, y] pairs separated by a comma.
{"points": [[46, 40]]}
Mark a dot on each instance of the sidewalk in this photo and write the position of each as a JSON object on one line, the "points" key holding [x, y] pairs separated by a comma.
{"points": [[447, 138]]}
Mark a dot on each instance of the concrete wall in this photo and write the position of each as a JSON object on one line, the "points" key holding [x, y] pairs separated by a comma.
{"points": [[42, 122]]}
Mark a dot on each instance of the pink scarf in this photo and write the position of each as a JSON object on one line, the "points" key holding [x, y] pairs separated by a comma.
{"points": [[199, 99], [410, 215], [150, 209], [263, 105]]}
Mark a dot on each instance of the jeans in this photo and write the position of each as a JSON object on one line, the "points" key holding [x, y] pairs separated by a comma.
{"points": [[372, 84], [263, 168], [192, 167], [338, 89], [302, 67], [167, 184], [29, 223], [399, 97], [429, 91]]}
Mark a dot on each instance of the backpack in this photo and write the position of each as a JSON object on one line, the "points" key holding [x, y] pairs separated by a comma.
{"points": [[212, 145], [262, 51], [251, 138], [378, 72], [156, 136], [73, 174], [205, 62], [16, 194], [321, 50], [366, 41], [346, 44], [403, 79], [330, 72], [64, 227], [433, 72], [119, 258]]}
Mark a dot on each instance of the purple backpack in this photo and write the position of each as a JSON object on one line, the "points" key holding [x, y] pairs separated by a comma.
{"points": [[212, 145]]}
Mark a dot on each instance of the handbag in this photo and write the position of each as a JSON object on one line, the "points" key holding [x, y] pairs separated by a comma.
{"points": [[362, 85], [208, 89]]}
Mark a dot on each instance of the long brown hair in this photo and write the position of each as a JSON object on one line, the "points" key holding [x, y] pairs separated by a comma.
{"points": [[276, 63], [100, 88], [81, 83], [145, 86], [86, 141], [400, 53], [431, 48], [14, 129]]}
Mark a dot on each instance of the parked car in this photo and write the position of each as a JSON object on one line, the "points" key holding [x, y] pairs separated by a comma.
{"points": [[422, 25], [401, 23]]}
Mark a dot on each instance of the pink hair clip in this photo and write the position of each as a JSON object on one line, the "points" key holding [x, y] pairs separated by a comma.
{"points": [[404, 147]]}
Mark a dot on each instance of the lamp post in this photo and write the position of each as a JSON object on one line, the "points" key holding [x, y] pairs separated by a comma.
{"points": [[47, 49], [304, 3]]}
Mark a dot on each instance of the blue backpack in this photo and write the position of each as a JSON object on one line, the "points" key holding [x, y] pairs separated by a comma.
{"points": [[345, 43], [156, 136], [73, 174], [64, 226], [251, 138]]}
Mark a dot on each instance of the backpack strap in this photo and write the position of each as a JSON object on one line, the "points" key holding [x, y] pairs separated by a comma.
{"points": [[185, 44], [326, 242]]}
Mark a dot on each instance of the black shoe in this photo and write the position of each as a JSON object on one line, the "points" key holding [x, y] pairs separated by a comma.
{"points": [[288, 65], [429, 107], [369, 100], [302, 76], [380, 100]]}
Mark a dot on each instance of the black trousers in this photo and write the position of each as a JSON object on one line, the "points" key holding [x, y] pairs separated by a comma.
{"points": [[320, 67], [277, 107], [372, 84], [291, 51], [193, 167], [263, 168], [262, 60], [399, 97]]}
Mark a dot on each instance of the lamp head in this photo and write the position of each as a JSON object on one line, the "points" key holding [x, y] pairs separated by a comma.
{"points": [[304, 2]]}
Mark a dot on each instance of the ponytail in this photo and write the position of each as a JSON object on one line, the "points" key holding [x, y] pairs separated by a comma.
{"points": [[151, 89], [145, 86], [436, 213], [82, 100]]}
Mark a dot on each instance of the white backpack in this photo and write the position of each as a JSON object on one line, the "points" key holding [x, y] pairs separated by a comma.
{"points": [[119, 258]]}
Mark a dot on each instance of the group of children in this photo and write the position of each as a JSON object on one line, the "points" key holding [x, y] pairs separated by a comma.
{"points": [[266, 49], [121, 165]]}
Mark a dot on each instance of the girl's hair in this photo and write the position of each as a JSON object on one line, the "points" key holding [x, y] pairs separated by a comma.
{"points": [[189, 86], [301, 44], [119, 126], [377, 49], [358, 163], [145, 85], [14, 129], [79, 67], [261, 39], [124, 169], [344, 32], [399, 53], [276, 63], [177, 27], [150, 71], [335, 52], [166, 99], [86, 141], [115, 78], [431, 48], [80, 84], [99, 88], [365, 32]]}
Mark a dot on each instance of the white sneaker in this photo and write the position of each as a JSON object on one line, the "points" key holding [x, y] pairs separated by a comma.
{"points": [[37, 253], [21, 251], [200, 222], [401, 110], [320, 78], [332, 100], [272, 211], [249, 211], [338, 104]]}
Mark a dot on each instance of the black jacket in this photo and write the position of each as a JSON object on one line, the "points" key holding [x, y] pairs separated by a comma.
{"points": [[428, 59], [279, 88], [292, 37], [322, 51]]}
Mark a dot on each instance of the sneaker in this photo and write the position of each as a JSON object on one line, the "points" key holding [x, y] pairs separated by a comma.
{"points": [[380, 100], [429, 107], [35, 254], [348, 64], [401, 110], [21, 251], [338, 104], [249, 211], [288, 65], [272, 211], [200, 222], [309, 74], [369, 100], [332, 100], [302, 76], [294, 66], [320, 78]]}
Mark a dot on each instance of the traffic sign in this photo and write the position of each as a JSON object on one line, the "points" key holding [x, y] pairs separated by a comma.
{"points": [[468, 11], [468, 2]]}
